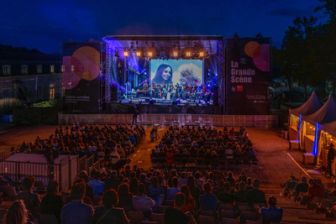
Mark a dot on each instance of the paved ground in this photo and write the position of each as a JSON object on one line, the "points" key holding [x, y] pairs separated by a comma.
{"points": [[15, 136], [273, 159], [142, 157]]}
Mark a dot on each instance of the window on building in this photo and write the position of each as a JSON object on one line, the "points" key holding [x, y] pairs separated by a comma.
{"points": [[52, 68], [52, 91], [39, 69], [72, 68], [24, 69], [6, 69], [62, 68]]}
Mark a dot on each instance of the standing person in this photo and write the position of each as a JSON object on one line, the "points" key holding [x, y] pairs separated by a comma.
{"points": [[135, 115], [330, 158]]}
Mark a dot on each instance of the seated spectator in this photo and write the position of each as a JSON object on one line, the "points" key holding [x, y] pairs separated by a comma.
{"points": [[84, 177], [172, 189], [176, 215], [125, 197], [272, 214], [316, 190], [254, 195], [7, 189], [141, 202], [230, 179], [52, 203], [114, 155], [208, 201], [290, 185], [17, 213], [76, 211], [110, 213], [194, 190], [189, 205], [155, 191], [31, 200], [96, 184], [241, 192], [301, 187], [224, 193]]}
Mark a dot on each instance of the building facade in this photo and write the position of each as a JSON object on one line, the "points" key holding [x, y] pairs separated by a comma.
{"points": [[29, 79]]}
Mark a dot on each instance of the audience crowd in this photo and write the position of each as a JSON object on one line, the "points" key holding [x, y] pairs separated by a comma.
{"points": [[109, 142], [313, 194], [203, 146], [133, 195]]}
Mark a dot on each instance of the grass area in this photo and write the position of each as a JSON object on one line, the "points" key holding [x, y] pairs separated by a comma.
{"points": [[45, 104]]}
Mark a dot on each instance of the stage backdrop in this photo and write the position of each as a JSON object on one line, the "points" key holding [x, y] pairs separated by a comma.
{"points": [[248, 72], [81, 79]]}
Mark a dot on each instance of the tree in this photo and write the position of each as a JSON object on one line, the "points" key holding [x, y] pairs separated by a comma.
{"points": [[299, 54]]}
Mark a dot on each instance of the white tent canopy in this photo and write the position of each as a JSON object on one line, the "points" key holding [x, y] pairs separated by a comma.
{"points": [[327, 113], [308, 107]]}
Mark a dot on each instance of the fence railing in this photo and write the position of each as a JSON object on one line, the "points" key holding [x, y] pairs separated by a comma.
{"points": [[16, 171], [261, 121], [4, 155], [63, 172]]}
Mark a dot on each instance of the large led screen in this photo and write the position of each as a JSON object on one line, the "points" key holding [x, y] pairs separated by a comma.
{"points": [[186, 72]]}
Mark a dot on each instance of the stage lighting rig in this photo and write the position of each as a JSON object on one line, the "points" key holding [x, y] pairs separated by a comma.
{"points": [[126, 53], [188, 53], [150, 53], [138, 53], [175, 53]]}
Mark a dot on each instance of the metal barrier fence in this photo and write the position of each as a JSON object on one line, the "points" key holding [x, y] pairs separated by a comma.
{"points": [[260, 121], [4, 155], [64, 172]]}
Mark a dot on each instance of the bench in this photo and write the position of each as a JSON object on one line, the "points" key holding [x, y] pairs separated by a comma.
{"points": [[294, 144], [308, 158]]}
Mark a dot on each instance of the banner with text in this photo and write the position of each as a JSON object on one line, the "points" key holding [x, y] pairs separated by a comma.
{"points": [[81, 79], [248, 72]]}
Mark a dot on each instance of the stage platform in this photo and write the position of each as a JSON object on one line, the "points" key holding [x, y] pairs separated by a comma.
{"points": [[260, 121], [160, 101]]}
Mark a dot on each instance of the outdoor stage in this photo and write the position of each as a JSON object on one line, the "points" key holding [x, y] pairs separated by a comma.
{"points": [[167, 74]]}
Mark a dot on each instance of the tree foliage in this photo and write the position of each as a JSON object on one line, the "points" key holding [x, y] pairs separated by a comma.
{"points": [[308, 48]]}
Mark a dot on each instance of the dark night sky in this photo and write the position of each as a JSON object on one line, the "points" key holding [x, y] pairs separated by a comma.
{"points": [[45, 24]]}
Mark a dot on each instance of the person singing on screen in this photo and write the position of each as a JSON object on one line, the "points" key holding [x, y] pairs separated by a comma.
{"points": [[163, 75]]}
